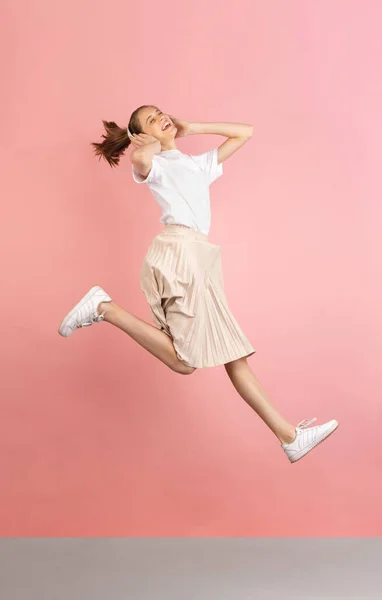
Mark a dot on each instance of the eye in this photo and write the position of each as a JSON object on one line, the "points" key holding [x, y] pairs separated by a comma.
{"points": [[151, 122]]}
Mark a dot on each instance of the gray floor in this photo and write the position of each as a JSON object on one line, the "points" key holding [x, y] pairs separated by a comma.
{"points": [[189, 568]]}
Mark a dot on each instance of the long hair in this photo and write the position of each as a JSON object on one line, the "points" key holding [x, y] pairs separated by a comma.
{"points": [[116, 140]]}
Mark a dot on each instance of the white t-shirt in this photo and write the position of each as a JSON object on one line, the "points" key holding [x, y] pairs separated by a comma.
{"points": [[180, 185]]}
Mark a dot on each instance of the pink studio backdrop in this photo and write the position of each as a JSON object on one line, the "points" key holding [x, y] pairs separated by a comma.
{"points": [[97, 438]]}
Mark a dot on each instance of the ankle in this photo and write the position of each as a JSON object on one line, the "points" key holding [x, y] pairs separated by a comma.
{"points": [[106, 307], [287, 437]]}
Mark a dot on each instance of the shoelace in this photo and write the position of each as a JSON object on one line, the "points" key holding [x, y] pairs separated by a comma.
{"points": [[93, 319], [305, 423]]}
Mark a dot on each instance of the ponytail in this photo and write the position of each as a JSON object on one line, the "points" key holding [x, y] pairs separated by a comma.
{"points": [[114, 143], [116, 139]]}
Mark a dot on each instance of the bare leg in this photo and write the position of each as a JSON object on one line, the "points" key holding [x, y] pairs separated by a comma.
{"points": [[250, 390], [158, 343]]}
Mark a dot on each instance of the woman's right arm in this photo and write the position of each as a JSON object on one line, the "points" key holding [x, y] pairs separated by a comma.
{"points": [[145, 148]]}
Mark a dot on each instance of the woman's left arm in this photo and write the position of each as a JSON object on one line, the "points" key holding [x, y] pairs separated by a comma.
{"points": [[238, 134]]}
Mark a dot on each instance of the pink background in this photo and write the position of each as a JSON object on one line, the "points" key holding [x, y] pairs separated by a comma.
{"points": [[98, 438]]}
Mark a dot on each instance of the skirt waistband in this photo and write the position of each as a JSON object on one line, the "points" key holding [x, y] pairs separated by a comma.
{"points": [[183, 230]]}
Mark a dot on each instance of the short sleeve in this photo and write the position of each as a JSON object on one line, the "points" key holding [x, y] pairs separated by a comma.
{"points": [[152, 177], [208, 162]]}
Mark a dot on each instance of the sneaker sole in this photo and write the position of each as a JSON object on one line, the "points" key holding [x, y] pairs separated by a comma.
{"points": [[314, 444], [83, 300]]}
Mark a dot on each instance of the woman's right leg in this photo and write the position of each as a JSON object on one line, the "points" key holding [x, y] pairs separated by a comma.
{"points": [[158, 343]]}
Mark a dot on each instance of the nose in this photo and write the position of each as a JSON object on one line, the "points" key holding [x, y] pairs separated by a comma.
{"points": [[161, 120]]}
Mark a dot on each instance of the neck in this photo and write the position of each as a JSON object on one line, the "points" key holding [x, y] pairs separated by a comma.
{"points": [[170, 146]]}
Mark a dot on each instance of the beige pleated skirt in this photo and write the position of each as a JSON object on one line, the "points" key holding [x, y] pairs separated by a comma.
{"points": [[181, 278]]}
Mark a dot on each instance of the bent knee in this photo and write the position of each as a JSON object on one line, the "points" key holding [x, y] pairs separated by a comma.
{"points": [[183, 369]]}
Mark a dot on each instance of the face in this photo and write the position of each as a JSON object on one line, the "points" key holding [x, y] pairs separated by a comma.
{"points": [[153, 121]]}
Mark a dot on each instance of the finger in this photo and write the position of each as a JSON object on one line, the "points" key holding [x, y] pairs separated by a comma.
{"points": [[135, 139], [135, 144]]}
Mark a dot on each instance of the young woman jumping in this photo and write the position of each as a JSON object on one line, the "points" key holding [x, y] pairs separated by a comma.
{"points": [[181, 275]]}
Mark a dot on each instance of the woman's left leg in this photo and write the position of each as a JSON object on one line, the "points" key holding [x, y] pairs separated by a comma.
{"points": [[250, 390]]}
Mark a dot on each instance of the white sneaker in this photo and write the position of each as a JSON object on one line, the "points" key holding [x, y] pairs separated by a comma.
{"points": [[85, 312], [308, 438]]}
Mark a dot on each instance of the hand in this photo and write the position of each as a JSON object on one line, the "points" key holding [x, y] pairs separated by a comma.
{"points": [[183, 127], [142, 139]]}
